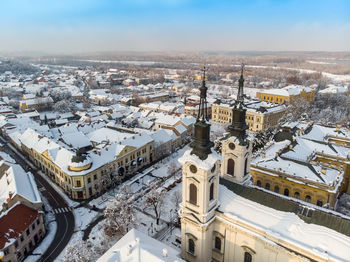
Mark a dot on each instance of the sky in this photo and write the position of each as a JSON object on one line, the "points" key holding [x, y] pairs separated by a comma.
{"points": [[79, 26]]}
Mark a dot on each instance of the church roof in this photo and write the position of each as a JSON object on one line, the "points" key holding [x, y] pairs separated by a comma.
{"points": [[328, 219], [323, 234]]}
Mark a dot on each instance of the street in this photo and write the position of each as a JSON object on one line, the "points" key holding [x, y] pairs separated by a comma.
{"points": [[65, 220]]}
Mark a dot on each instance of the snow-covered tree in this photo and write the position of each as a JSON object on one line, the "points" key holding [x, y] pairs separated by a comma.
{"points": [[155, 201], [64, 106], [120, 214], [80, 251]]}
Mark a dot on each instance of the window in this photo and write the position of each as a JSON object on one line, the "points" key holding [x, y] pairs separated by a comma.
{"points": [[28, 232], [193, 194], [95, 177], [78, 183], [231, 167], [297, 195], [267, 186], [308, 198], [319, 203], [89, 180], [277, 189], [217, 243], [211, 192], [191, 246], [33, 226], [245, 166], [286, 192], [247, 257], [258, 183]]}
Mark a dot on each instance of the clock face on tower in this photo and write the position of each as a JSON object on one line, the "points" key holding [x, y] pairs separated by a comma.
{"points": [[231, 146], [193, 168]]}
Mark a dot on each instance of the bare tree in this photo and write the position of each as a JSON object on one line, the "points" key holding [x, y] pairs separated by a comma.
{"points": [[176, 199], [155, 201], [172, 168], [120, 214]]}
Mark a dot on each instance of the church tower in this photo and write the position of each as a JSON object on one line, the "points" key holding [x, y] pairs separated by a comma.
{"points": [[236, 148], [200, 185]]}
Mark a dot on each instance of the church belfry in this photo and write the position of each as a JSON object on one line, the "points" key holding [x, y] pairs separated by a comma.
{"points": [[236, 148]]}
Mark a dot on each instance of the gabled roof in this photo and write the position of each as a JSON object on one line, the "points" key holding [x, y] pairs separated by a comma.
{"points": [[14, 222]]}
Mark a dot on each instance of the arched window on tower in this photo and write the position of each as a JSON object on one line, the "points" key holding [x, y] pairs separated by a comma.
{"points": [[247, 257], [211, 192], [246, 166], [193, 194], [218, 243], [231, 167], [191, 246]]}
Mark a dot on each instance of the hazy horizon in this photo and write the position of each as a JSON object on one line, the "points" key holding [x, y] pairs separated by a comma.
{"points": [[88, 26]]}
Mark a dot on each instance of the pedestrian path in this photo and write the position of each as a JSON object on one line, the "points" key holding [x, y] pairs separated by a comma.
{"points": [[60, 210]]}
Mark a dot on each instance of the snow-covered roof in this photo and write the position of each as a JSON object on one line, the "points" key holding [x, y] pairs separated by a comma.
{"points": [[288, 90], [76, 140], [206, 164], [16, 181], [136, 246], [107, 134], [286, 227]]}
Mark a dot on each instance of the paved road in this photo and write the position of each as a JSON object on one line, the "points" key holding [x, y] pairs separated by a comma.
{"points": [[65, 219]]}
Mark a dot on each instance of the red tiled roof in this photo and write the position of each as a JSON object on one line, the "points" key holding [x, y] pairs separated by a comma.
{"points": [[15, 222]]}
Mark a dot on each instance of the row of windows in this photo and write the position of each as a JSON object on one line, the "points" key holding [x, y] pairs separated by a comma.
{"points": [[287, 193], [217, 245]]}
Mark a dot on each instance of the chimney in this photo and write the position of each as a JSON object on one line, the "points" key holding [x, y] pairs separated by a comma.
{"points": [[323, 171], [290, 146], [263, 155], [164, 252]]}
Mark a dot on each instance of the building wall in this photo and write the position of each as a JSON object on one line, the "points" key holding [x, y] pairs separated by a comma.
{"points": [[20, 248], [304, 189], [256, 121], [91, 184], [279, 99]]}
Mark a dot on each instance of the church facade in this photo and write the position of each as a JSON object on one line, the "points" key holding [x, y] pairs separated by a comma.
{"points": [[219, 225]]}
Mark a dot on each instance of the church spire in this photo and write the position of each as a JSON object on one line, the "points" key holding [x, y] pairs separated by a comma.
{"points": [[238, 126], [240, 94], [201, 146], [202, 112]]}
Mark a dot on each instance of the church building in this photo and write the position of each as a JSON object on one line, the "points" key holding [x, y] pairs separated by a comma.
{"points": [[223, 220]]}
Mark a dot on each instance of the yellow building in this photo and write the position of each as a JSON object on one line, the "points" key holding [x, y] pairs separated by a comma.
{"points": [[38, 103], [84, 176], [259, 115], [287, 94], [312, 167]]}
